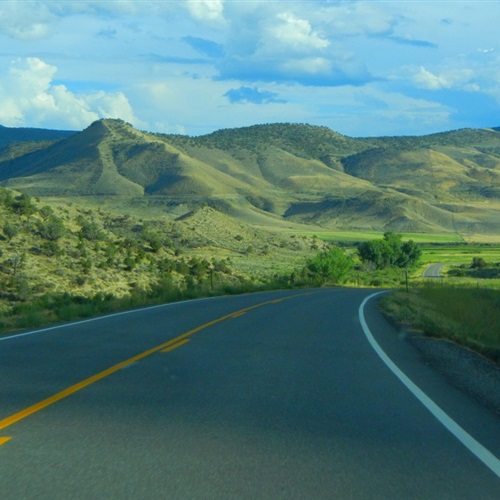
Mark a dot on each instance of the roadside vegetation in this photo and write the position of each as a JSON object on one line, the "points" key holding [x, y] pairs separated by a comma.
{"points": [[60, 262], [462, 306], [465, 315]]}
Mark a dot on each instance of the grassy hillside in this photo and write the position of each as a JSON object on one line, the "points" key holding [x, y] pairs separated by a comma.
{"points": [[14, 135], [53, 250], [447, 182]]}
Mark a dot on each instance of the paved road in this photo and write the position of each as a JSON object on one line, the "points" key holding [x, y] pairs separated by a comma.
{"points": [[274, 395], [433, 271]]}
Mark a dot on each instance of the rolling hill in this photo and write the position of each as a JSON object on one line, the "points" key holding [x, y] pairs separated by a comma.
{"points": [[9, 135], [268, 174]]}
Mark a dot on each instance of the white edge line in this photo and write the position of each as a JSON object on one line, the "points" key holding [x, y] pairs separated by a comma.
{"points": [[482, 453], [106, 316], [99, 318]]}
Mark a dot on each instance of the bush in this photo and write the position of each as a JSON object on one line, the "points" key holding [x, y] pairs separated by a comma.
{"points": [[9, 230], [23, 206], [331, 266], [478, 263], [90, 231], [52, 229]]}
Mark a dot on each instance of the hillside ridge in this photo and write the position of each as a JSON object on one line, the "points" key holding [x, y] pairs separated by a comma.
{"points": [[448, 181]]}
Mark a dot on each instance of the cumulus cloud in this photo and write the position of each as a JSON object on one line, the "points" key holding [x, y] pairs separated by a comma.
{"points": [[206, 10], [287, 47], [29, 97], [294, 33], [449, 79]]}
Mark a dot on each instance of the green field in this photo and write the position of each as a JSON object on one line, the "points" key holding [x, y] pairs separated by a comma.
{"points": [[355, 236], [436, 248], [459, 254]]}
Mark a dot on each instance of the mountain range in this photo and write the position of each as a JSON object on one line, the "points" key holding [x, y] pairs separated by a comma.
{"points": [[270, 174]]}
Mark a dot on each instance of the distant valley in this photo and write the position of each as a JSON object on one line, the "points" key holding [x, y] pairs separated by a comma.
{"points": [[269, 175]]}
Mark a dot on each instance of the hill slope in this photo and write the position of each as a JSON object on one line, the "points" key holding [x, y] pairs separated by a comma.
{"points": [[440, 182], [14, 135]]}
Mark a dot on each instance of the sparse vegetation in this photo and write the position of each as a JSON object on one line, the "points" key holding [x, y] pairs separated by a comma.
{"points": [[63, 262], [277, 173]]}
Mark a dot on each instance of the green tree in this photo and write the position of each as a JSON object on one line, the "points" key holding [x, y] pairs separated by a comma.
{"points": [[390, 251], [6, 198], [331, 266], [376, 251], [410, 254]]}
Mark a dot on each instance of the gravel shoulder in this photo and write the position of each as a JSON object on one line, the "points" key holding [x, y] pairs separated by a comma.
{"points": [[467, 370]]}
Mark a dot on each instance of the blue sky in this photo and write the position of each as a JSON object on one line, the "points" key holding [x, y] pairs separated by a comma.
{"points": [[362, 68]]}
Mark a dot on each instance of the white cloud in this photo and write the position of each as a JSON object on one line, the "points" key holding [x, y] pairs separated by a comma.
{"points": [[188, 54], [28, 97], [447, 79], [295, 33], [427, 80], [25, 20], [355, 19], [206, 10], [308, 65], [270, 45]]}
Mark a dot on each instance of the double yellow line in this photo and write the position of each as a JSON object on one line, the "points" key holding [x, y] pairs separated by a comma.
{"points": [[165, 347]]}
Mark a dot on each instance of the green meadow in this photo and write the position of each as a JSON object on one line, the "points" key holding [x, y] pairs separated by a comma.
{"points": [[356, 236], [459, 253]]}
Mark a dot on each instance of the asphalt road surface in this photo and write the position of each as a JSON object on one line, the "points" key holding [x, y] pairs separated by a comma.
{"points": [[290, 395], [433, 271]]}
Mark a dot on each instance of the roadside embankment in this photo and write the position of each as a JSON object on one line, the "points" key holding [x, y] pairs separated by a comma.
{"points": [[467, 316], [457, 332]]}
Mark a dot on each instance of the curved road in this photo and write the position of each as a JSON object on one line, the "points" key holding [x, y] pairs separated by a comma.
{"points": [[292, 394], [433, 271]]}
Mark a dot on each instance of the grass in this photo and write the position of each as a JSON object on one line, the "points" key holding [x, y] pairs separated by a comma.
{"points": [[356, 236], [56, 308], [465, 315], [459, 253]]}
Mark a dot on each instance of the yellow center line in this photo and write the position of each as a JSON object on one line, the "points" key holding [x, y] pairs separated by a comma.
{"points": [[238, 314], [3, 440], [177, 342], [175, 346]]}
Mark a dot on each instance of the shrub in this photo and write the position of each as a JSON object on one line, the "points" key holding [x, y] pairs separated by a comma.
{"points": [[23, 206], [332, 266], [478, 263], [90, 231], [9, 230], [52, 229]]}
